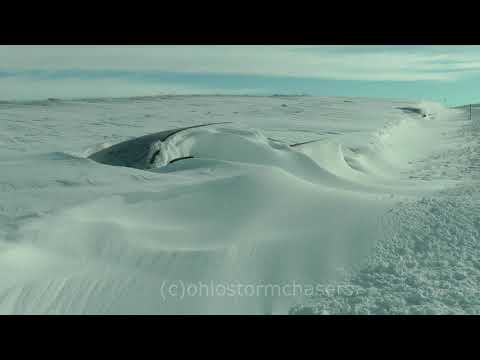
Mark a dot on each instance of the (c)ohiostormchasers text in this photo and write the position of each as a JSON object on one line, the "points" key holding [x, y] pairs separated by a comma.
{"points": [[181, 289]]}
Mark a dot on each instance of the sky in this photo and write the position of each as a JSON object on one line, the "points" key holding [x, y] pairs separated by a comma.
{"points": [[447, 74]]}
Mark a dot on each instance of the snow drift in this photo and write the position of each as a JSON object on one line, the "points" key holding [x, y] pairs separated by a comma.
{"points": [[106, 215]]}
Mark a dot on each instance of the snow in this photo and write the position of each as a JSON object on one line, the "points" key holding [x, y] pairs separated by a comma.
{"points": [[383, 202]]}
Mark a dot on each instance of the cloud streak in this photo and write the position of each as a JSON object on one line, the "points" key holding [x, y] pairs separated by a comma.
{"points": [[371, 63]]}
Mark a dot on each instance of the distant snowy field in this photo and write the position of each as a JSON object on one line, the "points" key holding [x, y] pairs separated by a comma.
{"points": [[380, 215]]}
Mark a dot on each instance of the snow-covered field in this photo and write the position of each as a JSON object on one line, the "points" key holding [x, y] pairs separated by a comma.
{"points": [[379, 215]]}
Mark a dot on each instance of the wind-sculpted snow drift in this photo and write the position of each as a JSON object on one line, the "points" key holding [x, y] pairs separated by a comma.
{"points": [[140, 153], [240, 216]]}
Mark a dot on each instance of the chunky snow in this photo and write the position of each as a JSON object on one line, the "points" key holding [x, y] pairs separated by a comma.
{"points": [[373, 203]]}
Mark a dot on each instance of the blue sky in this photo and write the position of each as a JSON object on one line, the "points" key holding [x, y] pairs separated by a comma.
{"points": [[441, 73]]}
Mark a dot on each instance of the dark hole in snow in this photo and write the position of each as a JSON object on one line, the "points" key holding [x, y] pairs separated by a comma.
{"points": [[154, 156], [412, 110], [180, 158]]}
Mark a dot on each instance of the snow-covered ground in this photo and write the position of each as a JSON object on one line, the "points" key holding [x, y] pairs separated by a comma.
{"points": [[379, 215]]}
